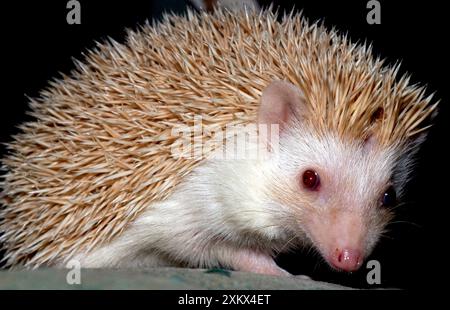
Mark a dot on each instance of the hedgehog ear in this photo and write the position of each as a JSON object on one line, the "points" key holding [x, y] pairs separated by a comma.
{"points": [[281, 102], [370, 142]]}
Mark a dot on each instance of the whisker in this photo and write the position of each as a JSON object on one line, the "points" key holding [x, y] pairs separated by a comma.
{"points": [[400, 205], [405, 222], [287, 243], [385, 236]]}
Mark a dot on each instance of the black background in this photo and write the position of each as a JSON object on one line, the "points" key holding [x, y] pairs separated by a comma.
{"points": [[39, 43]]}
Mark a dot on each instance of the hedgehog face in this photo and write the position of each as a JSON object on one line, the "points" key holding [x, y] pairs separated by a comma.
{"points": [[337, 192]]}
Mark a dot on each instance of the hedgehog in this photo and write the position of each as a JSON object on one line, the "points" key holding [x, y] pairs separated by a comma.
{"points": [[114, 169]]}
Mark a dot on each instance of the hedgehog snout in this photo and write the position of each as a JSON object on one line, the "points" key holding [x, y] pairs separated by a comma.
{"points": [[340, 236]]}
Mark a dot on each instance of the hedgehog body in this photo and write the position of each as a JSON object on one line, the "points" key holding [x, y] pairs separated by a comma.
{"points": [[94, 176]]}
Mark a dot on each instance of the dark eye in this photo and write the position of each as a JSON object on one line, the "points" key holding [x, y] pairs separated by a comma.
{"points": [[311, 179], [389, 198]]}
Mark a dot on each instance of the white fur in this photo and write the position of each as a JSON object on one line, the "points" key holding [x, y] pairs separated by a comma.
{"points": [[231, 213]]}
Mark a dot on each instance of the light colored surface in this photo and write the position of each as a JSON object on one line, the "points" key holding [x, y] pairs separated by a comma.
{"points": [[157, 278]]}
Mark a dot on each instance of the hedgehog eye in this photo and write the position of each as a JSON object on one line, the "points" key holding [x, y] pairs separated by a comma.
{"points": [[311, 179], [389, 198]]}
